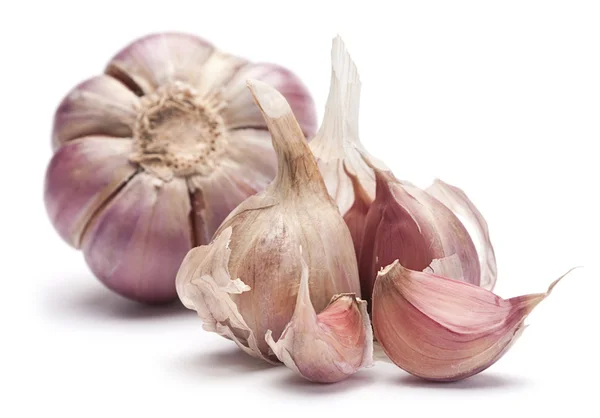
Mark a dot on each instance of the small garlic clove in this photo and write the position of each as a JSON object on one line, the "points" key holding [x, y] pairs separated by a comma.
{"points": [[457, 201], [98, 106], [443, 329], [406, 223], [242, 112], [82, 175], [159, 59], [356, 216], [248, 167], [137, 241], [330, 346]]}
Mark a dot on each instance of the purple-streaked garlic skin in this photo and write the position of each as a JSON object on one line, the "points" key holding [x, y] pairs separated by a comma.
{"points": [[83, 174], [136, 243], [407, 224], [258, 238], [109, 130], [330, 346], [443, 329]]}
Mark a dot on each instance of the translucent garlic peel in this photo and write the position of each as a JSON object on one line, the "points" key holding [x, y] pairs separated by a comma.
{"points": [[294, 210], [173, 107], [327, 347], [443, 329], [337, 145]]}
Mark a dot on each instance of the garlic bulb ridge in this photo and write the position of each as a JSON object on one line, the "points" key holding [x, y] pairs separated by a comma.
{"points": [[171, 118], [294, 210]]}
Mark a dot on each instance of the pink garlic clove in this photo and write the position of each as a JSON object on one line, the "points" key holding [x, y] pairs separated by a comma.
{"points": [[406, 223], [443, 329], [241, 111], [98, 106], [137, 241], [356, 215], [330, 346], [82, 176], [457, 201], [160, 59], [248, 166]]}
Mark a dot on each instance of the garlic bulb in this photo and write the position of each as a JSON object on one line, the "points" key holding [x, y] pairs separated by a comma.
{"points": [[330, 346], [152, 156], [443, 329], [245, 282], [411, 225], [341, 157]]}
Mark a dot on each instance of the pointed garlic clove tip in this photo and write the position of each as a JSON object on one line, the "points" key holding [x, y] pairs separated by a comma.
{"points": [[327, 347], [270, 101], [443, 329]]}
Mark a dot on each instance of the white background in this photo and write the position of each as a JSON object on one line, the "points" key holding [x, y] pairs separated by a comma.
{"points": [[501, 98]]}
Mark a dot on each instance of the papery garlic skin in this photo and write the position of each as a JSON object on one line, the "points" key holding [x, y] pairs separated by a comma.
{"points": [[171, 118], [409, 224], [443, 329], [341, 157], [294, 210], [330, 346]]}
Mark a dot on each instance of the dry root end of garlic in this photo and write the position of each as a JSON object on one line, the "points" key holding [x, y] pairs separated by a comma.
{"points": [[443, 329], [152, 156], [250, 286], [330, 346]]}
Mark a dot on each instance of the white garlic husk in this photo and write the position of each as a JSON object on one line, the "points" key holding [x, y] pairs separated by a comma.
{"points": [[152, 156]]}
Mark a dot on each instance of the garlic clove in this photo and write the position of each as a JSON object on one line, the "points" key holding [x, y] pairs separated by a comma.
{"points": [[327, 347], [406, 223], [457, 201], [294, 210], [98, 106], [136, 242], [337, 143], [217, 72], [159, 59], [443, 329], [356, 216], [81, 177], [241, 111]]}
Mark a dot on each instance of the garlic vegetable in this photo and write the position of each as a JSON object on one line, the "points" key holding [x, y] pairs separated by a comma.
{"points": [[330, 346], [409, 224], [245, 282], [341, 157], [152, 156], [443, 329]]}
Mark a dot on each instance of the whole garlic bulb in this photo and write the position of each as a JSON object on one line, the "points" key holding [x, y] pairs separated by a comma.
{"points": [[152, 156], [246, 282]]}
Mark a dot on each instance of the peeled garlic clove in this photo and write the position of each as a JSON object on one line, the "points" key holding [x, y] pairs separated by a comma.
{"points": [[330, 346], [408, 224], [137, 241], [337, 144], [177, 99], [443, 329], [159, 59], [294, 210], [241, 111], [98, 166], [98, 106], [457, 201]]}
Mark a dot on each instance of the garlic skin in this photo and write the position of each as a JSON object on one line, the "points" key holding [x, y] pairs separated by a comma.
{"points": [[152, 156], [330, 346], [409, 224], [341, 157], [294, 210], [442, 329]]}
